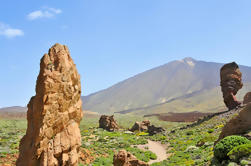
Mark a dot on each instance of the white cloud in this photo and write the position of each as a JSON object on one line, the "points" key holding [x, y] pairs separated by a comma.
{"points": [[7, 31], [43, 13]]}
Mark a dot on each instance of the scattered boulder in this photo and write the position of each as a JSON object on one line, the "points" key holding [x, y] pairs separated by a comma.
{"points": [[124, 158], [247, 98], [155, 130], [240, 124], [54, 113], [108, 123], [145, 126], [231, 83], [140, 126]]}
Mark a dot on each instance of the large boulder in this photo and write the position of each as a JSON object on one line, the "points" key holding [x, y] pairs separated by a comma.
{"points": [[124, 158], [140, 126], [240, 124], [231, 83], [108, 123], [247, 98], [54, 113]]}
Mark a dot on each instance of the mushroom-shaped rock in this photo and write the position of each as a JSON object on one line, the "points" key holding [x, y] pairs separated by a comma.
{"points": [[231, 83], [54, 113]]}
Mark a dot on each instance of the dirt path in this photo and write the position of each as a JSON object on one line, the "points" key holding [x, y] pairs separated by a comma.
{"points": [[157, 148]]}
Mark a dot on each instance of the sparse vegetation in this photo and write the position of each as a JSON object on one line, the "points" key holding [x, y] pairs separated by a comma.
{"points": [[191, 146]]}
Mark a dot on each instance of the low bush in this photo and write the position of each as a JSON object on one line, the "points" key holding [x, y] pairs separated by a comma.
{"points": [[223, 147], [240, 151]]}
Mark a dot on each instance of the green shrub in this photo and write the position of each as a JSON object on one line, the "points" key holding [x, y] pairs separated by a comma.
{"points": [[210, 130], [240, 151], [244, 162], [142, 134], [189, 133], [223, 147]]}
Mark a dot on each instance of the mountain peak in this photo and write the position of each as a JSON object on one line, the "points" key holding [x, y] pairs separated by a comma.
{"points": [[189, 61]]}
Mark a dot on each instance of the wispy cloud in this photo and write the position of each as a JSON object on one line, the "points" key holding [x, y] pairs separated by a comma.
{"points": [[43, 13], [7, 31]]}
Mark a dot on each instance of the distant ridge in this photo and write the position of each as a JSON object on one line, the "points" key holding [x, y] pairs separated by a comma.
{"points": [[13, 109], [13, 112], [178, 86]]}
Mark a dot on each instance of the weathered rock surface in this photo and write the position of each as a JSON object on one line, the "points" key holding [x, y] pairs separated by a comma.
{"points": [[123, 158], [140, 126], [231, 83], [247, 98], [240, 124], [54, 113], [108, 123]]}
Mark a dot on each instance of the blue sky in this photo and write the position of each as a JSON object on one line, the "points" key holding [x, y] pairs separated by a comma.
{"points": [[111, 40]]}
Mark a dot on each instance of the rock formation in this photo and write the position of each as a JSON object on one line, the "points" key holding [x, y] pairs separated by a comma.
{"points": [[231, 83], [108, 123], [247, 98], [140, 126], [54, 113], [155, 130], [240, 124], [145, 126], [123, 158]]}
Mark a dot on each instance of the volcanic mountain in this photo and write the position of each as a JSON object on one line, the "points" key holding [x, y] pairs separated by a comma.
{"points": [[178, 86]]}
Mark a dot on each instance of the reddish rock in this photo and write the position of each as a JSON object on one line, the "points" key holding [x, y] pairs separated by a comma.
{"points": [[54, 113], [140, 126], [108, 123], [240, 124], [247, 98], [123, 158], [231, 83]]}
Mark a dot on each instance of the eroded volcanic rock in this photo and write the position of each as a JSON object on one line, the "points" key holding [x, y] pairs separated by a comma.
{"points": [[123, 158], [240, 124], [140, 126], [231, 83], [247, 98], [108, 123], [146, 126], [54, 113], [155, 130]]}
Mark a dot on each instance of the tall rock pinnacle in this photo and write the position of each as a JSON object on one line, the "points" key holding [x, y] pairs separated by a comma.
{"points": [[231, 83], [54, 113]]}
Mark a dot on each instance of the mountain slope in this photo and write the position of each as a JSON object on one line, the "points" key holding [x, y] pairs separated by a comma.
{"points": [[169, 82], [206, 101]]}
